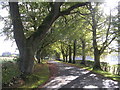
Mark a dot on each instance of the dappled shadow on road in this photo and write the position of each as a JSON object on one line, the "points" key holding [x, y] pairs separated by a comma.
{"points": [[73, 77]]}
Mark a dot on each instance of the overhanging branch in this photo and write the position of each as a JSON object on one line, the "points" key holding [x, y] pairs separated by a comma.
{"points": [[68, 11]]}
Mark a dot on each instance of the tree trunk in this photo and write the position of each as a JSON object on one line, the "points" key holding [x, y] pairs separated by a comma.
{"points": [[27, 60], [25, 48], [96, 53], [97, 65], [83, 52], [63, 58], [63, 54], [74, 50], [95, 46], [66, 57], [70, 54]]}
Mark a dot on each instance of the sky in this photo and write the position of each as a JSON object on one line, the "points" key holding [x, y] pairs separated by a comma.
{"points": [[9, 46], [6, 45]]}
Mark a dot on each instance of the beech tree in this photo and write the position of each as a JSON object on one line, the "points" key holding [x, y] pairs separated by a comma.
{"points": [[85, 40], [28, 46], [102, 32]]}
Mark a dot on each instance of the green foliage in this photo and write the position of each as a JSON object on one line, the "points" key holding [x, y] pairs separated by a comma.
{"points": [[9, 70], [32, 15], [65, 29]]}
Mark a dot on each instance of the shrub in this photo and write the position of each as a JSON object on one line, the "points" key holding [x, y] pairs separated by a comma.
{"points": [[9, 71]]}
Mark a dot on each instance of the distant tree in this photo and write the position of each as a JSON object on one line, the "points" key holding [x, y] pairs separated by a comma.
{"points": [[6, 54]]}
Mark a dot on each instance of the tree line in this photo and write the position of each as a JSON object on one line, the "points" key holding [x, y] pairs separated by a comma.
{"points": [[45, 28]]}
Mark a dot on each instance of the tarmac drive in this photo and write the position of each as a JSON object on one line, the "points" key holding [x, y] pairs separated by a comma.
{"points": [[73, 77]]}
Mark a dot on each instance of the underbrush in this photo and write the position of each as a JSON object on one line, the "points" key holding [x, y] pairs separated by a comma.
{"points": [[10, 70], [11, 76]]}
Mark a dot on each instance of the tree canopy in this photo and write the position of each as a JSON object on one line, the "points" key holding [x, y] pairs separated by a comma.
{"points": [[60, 28]]}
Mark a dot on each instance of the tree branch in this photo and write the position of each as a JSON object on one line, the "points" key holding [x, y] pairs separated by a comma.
{"points": [[45, 26], [107, 44], [68, 11], [107, 33], [87, 20], [17, 25]]}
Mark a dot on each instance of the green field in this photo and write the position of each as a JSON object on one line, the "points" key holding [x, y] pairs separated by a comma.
{"points": [[3, 59]]}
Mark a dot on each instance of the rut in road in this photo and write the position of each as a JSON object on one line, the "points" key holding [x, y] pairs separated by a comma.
{"points": [[73, 77]]}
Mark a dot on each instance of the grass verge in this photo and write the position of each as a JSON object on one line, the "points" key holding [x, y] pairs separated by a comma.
{"points": [[40, 76]]}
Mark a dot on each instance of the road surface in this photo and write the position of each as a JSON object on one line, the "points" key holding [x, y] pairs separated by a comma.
{"points": [[73, 77]]}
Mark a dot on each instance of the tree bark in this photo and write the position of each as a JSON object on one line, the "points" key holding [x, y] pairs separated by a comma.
{"points": [[27, 60], [97, 65], [70, 54], [74, 50]]}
